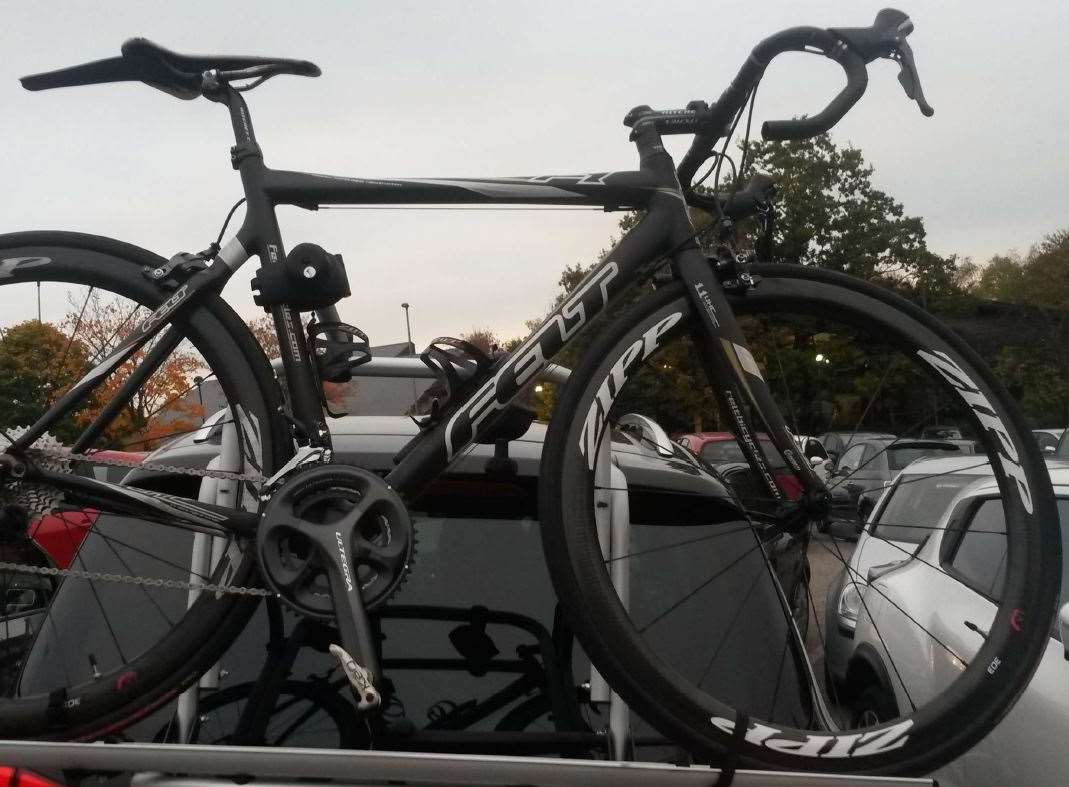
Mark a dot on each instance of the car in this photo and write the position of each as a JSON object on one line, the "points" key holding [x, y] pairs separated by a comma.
{"points": [[915, 500], [869, 465], [837, 442], [479, 586], [952, 578], [721, 448]]}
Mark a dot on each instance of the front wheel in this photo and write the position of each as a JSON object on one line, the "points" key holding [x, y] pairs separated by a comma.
{"points": [[706, 640]]}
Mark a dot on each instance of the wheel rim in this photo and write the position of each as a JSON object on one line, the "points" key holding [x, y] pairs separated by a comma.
{"points": [[115, 650], [664, 359]]}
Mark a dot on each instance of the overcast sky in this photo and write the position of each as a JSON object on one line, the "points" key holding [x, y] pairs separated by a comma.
{"points": [[507, 88]]}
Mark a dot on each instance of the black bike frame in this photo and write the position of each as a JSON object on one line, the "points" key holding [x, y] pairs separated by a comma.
{"points": [[664, 231]]}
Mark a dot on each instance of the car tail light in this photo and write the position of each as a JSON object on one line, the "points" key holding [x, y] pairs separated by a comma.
{"points": [[19, 777]]}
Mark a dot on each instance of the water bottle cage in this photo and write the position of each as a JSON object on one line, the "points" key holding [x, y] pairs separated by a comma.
{"points": [[458, 366], [335, 358]]}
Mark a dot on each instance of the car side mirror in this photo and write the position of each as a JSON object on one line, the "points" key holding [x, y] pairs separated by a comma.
{"points": [[1063, 626], [1050, 449]]}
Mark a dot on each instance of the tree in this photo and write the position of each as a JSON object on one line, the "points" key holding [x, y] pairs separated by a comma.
{"points": [[36, 362], [161, 406], [829, 213]]}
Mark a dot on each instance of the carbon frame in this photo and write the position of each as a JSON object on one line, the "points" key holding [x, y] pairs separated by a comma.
{"points": [[664, 230]]}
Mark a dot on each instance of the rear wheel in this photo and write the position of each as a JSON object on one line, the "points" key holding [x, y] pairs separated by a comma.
{"points": [[705, 641], [106, 646]]}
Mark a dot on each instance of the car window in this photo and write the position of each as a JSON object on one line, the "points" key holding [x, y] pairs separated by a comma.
{"points": [[977, 562], [723, 451], [853, 457], [980, 553], [916, 505], [1046, 440], [899, 458]]}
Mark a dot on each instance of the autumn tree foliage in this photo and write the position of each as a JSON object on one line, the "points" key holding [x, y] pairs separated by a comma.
{"points": [[162, 405]]}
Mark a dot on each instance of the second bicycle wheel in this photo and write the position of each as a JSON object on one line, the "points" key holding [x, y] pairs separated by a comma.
{"points": [[113, 632], [835, 352]]}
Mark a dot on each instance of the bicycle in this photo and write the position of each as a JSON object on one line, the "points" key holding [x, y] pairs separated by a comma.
{"points": [[334, 540]]}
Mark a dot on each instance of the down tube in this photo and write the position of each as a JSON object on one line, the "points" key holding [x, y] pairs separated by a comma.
{"points": [[735, 377], [464, 423]]}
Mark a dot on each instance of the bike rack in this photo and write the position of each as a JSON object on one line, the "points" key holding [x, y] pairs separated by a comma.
{"points": [[175, 765], [184, 765]]}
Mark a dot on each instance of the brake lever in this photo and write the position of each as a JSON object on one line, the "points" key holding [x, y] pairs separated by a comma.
{"points": [[910, 79]]}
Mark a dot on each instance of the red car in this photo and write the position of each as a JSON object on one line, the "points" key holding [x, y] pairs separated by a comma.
{"points": [[60, 534], [720, 448]]}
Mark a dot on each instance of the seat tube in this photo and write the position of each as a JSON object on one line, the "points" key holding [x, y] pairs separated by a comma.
{"points": [[260, 235]]}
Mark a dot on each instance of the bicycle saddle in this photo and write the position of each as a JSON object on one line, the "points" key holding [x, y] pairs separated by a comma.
{"points": [[180, 75]]}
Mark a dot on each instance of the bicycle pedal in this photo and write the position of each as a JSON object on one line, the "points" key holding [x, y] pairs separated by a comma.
{"points": [[367, 696]]}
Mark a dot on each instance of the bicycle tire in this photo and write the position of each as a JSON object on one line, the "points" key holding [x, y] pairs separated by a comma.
{"points": [[350, 729], [121, 696], [942, 730]]}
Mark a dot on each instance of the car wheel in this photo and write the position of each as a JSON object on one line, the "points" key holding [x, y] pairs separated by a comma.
{"points": [[874, 705]]}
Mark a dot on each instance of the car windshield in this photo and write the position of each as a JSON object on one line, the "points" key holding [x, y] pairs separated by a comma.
{"points": [[722, 451], [899, 458], [917, 502]]}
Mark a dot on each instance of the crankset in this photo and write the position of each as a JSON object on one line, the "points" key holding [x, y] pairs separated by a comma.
{"points": [[336, 541]]}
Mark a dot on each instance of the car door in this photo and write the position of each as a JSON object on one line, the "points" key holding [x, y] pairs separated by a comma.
{"points": [[1028, 746]]}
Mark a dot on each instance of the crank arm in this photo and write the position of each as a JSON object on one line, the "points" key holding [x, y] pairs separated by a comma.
{"points": [[357, 638]]}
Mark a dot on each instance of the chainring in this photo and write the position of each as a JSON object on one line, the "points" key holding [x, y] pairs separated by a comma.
{"points": [[305, 509]]}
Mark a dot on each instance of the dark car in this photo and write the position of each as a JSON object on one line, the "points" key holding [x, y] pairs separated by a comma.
{"points": [[868, 466], [476, 652]]}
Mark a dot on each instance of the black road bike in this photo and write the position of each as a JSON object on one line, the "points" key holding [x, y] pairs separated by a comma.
{"points": [[334, 540]]}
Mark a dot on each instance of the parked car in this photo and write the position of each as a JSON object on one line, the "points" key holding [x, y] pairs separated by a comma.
{"points": [[837, 442], [1028, 746], [915, 500], [721, 448], [869, 465], [479, 560]]}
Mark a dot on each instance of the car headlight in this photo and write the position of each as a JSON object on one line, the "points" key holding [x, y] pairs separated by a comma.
{"points": [[850, 604]]}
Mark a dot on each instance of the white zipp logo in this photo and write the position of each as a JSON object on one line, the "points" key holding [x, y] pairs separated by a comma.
{"points": [[598, 415], [1007, 456], [344, 562], [864, 744]]}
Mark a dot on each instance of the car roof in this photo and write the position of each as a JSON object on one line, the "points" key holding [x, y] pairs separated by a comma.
{"points": [[372, 442], [970, 464], [1059, 478]]}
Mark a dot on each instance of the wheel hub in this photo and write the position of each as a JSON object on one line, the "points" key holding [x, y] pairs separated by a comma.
{"points": [[326, 511]]}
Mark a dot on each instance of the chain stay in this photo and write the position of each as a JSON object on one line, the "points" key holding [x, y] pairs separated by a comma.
{"points": [[98, 576]]}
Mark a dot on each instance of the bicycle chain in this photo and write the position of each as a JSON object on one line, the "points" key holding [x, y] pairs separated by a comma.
{"points": [[129, 579]]}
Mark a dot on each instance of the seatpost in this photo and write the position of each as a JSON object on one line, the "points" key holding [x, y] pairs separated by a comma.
{"points": [[260, 235]]}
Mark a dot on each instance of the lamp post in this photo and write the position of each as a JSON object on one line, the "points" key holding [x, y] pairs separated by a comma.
{"points": [[411, 347], [200, 395], [408, 328]]}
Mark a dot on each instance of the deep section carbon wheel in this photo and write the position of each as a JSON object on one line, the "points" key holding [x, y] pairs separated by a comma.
{"points": [[713, 559], [98, 630]]}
